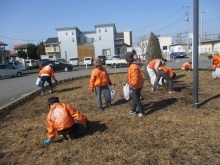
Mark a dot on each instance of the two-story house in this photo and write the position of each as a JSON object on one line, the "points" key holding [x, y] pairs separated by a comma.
{"points": [[4, 54], [52, 48], [104, 40]]}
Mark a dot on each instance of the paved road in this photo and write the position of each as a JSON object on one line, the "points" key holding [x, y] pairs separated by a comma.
{"points": [[12, 89]]}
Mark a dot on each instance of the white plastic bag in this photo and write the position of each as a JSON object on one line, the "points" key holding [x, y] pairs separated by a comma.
{"points": [[112, 92], [160, 82], [126, 91], [216, 73], [38, 81]]}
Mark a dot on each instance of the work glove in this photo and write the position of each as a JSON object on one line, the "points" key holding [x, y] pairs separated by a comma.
{"points": [[47, 141], [91, 89], [130, 87], [56, 81], [110, 84]]}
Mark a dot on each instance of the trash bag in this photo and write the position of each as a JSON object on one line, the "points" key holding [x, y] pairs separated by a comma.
{"points": [[38, 82], [126, 91], [216, 73]]}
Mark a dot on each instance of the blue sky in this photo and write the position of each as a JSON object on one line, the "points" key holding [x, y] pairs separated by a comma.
{"points": [[36, 20]]}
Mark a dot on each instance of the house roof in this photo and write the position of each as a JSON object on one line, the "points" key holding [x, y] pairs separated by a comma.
{"points": [[3, 44], [119, 35], [20, 46], [53, 40]]}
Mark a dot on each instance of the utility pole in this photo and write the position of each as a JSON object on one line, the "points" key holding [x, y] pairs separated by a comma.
{"points": [[202, 12], [27, 49], [187, 20]]}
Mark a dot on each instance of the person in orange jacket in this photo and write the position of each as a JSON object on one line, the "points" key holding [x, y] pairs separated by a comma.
{"points": [[100, 82], [187, 66], [152, 69], [65, 120], [46, 73], [167, 74], [136, 83], [215, 61]]}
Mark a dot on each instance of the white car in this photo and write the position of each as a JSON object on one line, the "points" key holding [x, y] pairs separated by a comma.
{"points": [[74, 61], [9, 71], [88, 61]]}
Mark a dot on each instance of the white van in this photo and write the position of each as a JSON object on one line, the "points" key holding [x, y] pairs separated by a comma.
{"points": [[74, 61], [88, 61], [31, 63]]}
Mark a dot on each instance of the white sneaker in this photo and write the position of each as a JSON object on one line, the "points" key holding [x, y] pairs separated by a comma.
{"points": [[140, 115], [172, 92], [50, 91]]}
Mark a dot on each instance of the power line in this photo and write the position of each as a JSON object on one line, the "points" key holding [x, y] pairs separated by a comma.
{"points": [[20, 39]]}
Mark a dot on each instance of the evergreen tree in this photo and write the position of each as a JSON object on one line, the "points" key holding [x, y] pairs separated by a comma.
{"points": [[40, 49], [153, 48], [22, 54], [32, 51]]}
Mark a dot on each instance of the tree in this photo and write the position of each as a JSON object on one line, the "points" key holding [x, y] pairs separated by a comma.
{"points": [[142, 43], [32, 51], [22, 54], [153, 48], [40, 49]]}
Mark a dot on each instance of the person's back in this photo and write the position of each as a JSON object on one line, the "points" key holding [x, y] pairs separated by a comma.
{"points": [[187, 66]]}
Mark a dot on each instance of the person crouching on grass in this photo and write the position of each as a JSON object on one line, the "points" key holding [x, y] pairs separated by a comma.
{"points": [[167, 74], [187, 66], [136, 82], [99, 82], [65, 120]]}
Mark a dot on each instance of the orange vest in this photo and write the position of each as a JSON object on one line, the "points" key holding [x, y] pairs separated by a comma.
{"points": [[216, 61], [135, 76], [47, 71], [167, 70], [187, 65], [62, 116], [99, 77], [152, 63]]}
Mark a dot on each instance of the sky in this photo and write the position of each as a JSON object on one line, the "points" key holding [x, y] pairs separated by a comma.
{"points": [[32, 21]]}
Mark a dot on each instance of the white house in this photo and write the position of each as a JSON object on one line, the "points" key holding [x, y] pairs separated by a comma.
{"points": [[104, 40]]}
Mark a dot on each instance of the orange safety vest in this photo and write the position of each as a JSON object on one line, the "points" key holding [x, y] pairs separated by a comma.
{"points": [[99, 77], [216, 61], [62, 116], [135, 76], [167, 70], [47, 71]]}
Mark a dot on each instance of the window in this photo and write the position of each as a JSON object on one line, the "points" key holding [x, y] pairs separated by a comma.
{"points": [[73, 40], [72, 33], [99, 30], [66, 33], [164, 47], [100, 37], [105, 30]]}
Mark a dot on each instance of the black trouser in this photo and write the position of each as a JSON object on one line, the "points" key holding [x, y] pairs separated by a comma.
{"points": [[136, 93], [75, 130]]}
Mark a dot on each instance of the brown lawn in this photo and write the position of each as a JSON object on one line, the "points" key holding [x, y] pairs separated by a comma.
{"points": [[172, 132]]}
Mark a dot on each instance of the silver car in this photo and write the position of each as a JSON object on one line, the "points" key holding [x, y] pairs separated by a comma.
{"points": [[9, 71]]}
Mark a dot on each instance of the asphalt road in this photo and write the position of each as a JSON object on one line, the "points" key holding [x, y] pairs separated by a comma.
{"points": [[12, 89]]}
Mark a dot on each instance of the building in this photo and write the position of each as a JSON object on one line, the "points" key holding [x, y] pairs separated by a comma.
{"points": [[4, 54], [52, 48], [210, 46], [104, 40]]}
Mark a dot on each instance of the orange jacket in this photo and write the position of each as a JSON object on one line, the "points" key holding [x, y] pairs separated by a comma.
{"points": [[216, 61], [47, 71], [167, 70], [154, 64], [186, 65], [62, 116], [135, 76], [99, 78]]}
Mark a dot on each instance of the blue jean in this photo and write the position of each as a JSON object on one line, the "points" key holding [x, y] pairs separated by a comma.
{"points": [[107, 95], [166, 76], [48, 79]]}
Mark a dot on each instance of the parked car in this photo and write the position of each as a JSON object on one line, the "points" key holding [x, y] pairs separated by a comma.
{"points": [[88, 61], [58, 65], [31, 63], [102, 58], [9, 71], [74, 61], [17, 64]]}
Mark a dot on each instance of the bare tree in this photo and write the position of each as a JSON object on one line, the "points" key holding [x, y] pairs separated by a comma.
{"points": [[142, 43]]}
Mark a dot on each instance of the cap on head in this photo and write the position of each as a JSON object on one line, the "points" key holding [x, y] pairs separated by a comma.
{"points": [[52, 100], [133, 51], [129, 56], [210, 57], [51, 65], [97, 63]]}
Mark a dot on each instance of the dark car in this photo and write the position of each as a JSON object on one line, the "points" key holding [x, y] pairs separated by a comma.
{"points": [[58, 65], [102, 58]]}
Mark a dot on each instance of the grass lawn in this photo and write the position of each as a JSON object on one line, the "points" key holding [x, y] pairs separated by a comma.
{"points": [[172, 132]]}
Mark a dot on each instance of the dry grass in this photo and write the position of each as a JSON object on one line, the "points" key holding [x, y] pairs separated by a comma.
{"points": [[172, 132]]}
